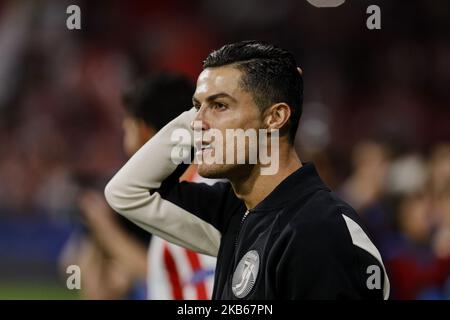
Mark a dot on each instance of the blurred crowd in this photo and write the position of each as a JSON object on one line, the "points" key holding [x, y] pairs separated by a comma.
{"points": [[405, 201], [376, 112]]}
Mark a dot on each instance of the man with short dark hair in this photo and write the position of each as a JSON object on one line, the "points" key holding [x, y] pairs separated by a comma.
{"points": [[282, 235]]}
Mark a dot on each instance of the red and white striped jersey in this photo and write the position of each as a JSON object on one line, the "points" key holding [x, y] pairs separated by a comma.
{"points": [[176, 273]]}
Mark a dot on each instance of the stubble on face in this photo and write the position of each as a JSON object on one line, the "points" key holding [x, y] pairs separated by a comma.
{"points": [[222, 104]]}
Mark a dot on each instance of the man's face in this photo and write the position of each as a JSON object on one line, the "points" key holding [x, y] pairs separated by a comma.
{"points": [[222, 104]]}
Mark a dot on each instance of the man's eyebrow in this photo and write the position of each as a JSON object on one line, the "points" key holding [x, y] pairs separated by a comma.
{"points": [[215, 96]]}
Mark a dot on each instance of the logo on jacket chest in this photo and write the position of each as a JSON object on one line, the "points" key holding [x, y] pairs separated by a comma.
{"points": [[245, 275]]}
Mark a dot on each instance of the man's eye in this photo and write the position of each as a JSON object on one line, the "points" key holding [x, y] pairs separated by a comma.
{"points": [[219, 106], [197, 107]]}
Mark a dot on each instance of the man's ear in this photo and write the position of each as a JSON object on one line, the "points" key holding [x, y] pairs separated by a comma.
{"points": [[277, 115]]}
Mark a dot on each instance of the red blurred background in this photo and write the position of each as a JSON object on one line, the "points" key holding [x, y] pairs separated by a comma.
{"points": [[376, 116]]}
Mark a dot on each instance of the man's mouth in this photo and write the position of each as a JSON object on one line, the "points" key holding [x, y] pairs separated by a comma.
{"points": [[203, 146], [206, 146]]}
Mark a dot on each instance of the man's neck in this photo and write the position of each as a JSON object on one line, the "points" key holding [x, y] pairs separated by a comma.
{"points": [[255, 187]]}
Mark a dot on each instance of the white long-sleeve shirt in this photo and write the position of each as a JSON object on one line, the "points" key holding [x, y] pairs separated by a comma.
{"points": [[129, 193]]}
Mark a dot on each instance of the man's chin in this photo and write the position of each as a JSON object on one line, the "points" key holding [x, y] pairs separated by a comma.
{"points": [[212, 171], [224, 171]]}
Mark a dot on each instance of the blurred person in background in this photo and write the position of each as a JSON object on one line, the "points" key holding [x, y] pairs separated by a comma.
{"points": [[417, 244], [173, 272], [365, 187], [419, 259], [405, 203], [438, 184], [113, 258]]}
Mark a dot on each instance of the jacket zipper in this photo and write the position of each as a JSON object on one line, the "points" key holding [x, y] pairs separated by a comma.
{"points": [[240, 228], [235, 245]]}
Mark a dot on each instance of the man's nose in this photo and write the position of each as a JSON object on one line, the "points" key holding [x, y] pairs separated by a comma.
{"points": [[200, 122]]}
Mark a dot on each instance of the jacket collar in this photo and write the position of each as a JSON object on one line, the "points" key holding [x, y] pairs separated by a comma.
{"points": [[298, 184]]}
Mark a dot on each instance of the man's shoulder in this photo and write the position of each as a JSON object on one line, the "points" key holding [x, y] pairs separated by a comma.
{"points": [[321, 207], [327, 231], [323, 217]]}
